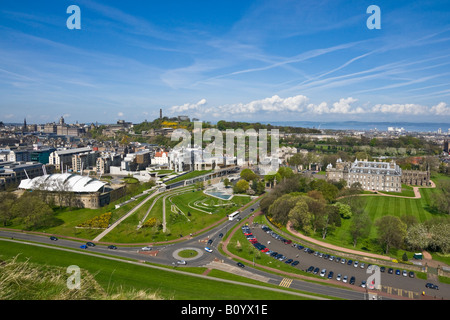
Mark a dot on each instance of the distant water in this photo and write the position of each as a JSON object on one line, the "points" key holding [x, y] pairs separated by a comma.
{"points": [[356, 125]]}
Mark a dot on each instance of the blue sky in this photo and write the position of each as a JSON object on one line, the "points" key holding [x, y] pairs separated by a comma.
{"points": [[231, 60]]}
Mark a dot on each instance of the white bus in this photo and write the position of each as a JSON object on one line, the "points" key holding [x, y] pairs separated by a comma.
{"points": [[233, 215]]}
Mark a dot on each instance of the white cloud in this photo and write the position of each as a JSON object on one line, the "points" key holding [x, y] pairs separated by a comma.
{"points": [[441, 109], [189, 107], [120, 114], [410, 109]]}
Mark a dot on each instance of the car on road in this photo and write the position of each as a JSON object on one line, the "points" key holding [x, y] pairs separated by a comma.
{"points": [[432, 286], [352, 280], [241, 265], [220, 235], [210, 241], [146, 248], [113, 247], [53, 238], [90, 244], [183, 262], [208, 249], [83, 246]]}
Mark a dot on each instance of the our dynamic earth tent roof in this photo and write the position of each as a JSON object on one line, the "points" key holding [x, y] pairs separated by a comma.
{"points": [[69, 182]]}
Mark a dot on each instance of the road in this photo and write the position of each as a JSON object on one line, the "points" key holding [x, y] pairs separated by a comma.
{"points": [[167, 255]]}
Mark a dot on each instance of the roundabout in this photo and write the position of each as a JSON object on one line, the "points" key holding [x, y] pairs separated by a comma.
{"points": [[194, 252]]}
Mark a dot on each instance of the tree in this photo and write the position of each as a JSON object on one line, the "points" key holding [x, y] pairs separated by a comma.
{"points": [[248, 175], [360, 227], [7, 200], [241, 186], [441, 200], [417, 237], [33, 212], [285, 172], [300, 216], [226, 182], [344, 210], [391, 231], [279, 209]]}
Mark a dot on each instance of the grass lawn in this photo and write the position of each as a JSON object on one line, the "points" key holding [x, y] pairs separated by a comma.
{"points": [[113, 275], [189, 175]]}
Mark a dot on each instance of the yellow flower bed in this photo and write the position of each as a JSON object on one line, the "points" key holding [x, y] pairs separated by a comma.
{"points": [[97, 222], [149, 223]]}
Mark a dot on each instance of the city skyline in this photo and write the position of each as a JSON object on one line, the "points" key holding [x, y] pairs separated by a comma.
{"points": [[244, 61]]}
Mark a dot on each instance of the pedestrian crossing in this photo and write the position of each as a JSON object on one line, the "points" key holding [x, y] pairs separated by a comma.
{"points": [[286, 282]]}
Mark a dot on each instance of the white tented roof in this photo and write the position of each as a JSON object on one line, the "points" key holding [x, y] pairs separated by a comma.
{"points": [[63, 182]]}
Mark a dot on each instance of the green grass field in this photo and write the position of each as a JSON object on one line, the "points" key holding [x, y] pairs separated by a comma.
{"points": [[115, 276]]}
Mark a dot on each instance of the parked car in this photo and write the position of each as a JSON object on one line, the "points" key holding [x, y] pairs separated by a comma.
{"points": [[349, 262], [343, 261], [432, 286], [411, 274], [330, 275], [397, 272], [339, 277], [363, 283], [356, 264], [390, 271], [288, 261], [310, 269], [316, 270], [344, 279], [405, 274], [363, 265], [322, 273], [352, 280], [295, 263]]}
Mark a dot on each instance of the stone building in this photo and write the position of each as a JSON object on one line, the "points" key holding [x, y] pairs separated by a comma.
{"points": [[416, 177], [372, 175]]}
